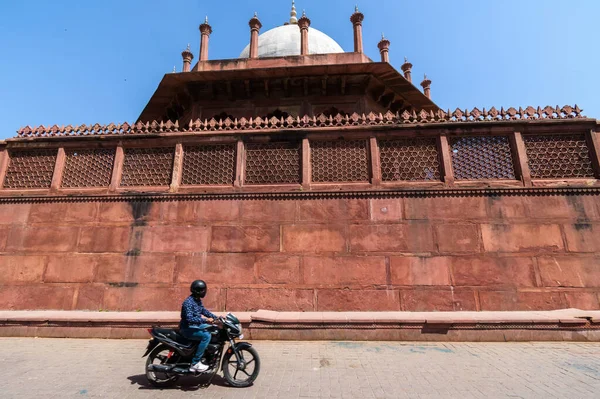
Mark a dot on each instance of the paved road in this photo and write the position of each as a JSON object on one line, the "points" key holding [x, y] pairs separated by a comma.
{"points": [[65, 368]]}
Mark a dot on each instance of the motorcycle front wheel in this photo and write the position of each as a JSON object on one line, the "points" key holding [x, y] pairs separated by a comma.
{"points": [[241, 374], [159, 355]]}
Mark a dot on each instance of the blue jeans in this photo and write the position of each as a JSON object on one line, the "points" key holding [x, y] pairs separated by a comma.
{"points": [[197, 333]]}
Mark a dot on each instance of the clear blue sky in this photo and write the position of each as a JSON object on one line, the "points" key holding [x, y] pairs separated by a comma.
{"points": [[75, 61]]}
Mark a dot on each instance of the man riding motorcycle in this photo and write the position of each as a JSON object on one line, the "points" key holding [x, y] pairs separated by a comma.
{"points": [[193, 326]]}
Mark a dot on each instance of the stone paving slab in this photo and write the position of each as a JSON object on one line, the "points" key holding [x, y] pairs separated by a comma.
{"points": [[67, 368]]}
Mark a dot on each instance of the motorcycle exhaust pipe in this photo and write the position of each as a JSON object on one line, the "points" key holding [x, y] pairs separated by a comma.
{"points": [[161, 368]]}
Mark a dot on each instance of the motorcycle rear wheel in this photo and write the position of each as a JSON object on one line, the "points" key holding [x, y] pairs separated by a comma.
{"points": [[160, 379], [248, 372]]}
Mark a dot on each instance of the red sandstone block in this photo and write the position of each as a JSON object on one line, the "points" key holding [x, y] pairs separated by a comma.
{"points": [[112, 269], [14, 213], [562, 207], [142, 299], [229, 268], [582, 300], [268, 211], [513, 300], [462, 208], [70, 269], [37, 297], [314, 238], [357, 300], [333, 210], [278, 269], [521, 238], [491, 271], [428, 300], [129, 212], [104, 239], [251, 300], [174, 239], [22, 269], [245, 239], [420, 270], [90, 297], [218, 210], [340, 270], [583, 237], [150, 268], [178, 211], [189, 267], [384, 210], [458, 237], [411, 237], [507, 207], [562, 271], [61, 212], [43, 239], [3, 237]]}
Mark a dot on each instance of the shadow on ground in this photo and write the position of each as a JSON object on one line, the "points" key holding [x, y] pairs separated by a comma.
{"points": [[183, 384]]}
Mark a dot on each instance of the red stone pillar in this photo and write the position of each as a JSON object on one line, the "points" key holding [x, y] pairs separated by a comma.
{"points": [[187, 59], [304, 23], [205, 31], [357, 19], [59, 167], [3, 166], [177, 168], [115, 180], [239, 164], [306, 165], [384, 49], [255, 26], [520, 158], [594, 143], [406, 68], [446, 157], [375, 162], [426, 84]]}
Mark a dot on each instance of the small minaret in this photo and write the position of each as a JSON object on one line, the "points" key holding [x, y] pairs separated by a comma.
{"points": [[357, 19], [304, 23], [426, 83], [293, 14], [384, 49], [187, 59], [205, 31], [255, 26], [406, 68]]}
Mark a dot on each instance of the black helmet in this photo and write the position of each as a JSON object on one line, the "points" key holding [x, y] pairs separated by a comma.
{"points": [[198, 288]]}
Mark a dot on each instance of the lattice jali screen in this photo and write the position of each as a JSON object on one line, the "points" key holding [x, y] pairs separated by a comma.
{"points": [[88, 168], [409, 159], [475, 158], [273, 163], [147, 167], [208, 164], [30, 169], [339, 161], [558, 156]]}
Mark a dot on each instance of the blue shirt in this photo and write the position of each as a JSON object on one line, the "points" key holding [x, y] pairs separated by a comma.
{"points": [[192, 311]]}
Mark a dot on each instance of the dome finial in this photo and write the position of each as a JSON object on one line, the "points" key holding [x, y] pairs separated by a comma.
{"points": [[206, 20], [293, 14], [356, 8]]}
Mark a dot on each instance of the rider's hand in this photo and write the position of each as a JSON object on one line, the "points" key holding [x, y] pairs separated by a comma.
{"points": [[210, 321]]}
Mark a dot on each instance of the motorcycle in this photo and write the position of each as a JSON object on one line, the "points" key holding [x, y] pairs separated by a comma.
{"points": [[170, 355]]}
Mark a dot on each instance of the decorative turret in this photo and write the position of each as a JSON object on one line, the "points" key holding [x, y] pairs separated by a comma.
{"points": [[357, 19], [205, 31], [255, 26], [426, 84], [304, 23], [406, 68], [187, 59], [384, 49]]}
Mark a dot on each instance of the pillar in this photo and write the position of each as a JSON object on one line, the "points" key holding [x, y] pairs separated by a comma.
{"points": [[406, 68], [426, 84], [205, 31], [255, 26], [304, 23], [187, 59], [357, 19], [384, 49]]}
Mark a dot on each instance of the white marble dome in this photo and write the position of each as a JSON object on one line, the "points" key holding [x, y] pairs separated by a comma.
{"points": [[285, 40]]}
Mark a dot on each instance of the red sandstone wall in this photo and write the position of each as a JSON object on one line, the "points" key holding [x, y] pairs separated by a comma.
{"points": [[415, 254]]}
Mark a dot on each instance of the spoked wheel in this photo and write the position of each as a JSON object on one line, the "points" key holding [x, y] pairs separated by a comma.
{"points": [[241, 374], [159, 355]]}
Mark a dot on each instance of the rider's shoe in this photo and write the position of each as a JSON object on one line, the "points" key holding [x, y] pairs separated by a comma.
{"points": [[199, 367]]}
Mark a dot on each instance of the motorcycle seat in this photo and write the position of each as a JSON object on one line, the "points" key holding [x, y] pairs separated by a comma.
{"points": [[172, 335]]}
